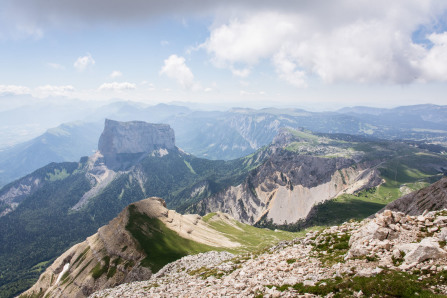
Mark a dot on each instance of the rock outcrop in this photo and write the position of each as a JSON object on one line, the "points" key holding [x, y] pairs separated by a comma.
{"points": [[286, 187], [120, 142], [433, 197], [403, 261], [113, 255]]}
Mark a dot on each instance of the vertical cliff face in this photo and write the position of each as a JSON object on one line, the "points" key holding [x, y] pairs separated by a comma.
{"points": [[121, 142]]}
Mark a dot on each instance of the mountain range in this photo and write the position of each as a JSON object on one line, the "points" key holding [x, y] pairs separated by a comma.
{"points": [[221, 134], [389, 254], [61, 204]]}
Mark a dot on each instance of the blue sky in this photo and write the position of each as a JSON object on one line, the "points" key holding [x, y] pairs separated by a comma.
{"points": [[319, 55]]}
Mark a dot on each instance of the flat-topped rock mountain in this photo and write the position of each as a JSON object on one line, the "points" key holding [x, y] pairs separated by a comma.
{"points": [[121, 140]]}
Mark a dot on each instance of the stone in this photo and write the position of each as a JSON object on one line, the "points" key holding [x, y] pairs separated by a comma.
{"points": [[428, 248], [309, 283], [367, 272], [442, 236], [432, 230], [440, 219], [406, 267]]}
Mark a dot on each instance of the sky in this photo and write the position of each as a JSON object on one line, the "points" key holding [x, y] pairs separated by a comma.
{"points": [[318, 55]]}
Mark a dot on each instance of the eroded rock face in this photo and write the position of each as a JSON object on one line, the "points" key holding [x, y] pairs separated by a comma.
{"points": [[286, 187], [123, 140]]}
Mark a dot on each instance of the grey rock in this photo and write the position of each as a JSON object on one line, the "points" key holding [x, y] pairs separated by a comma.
{"points": [[428, 248], [123, 140], [442, 236]]}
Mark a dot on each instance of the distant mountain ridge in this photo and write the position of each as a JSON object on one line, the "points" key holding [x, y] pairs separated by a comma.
{"points": [[228, 134]]}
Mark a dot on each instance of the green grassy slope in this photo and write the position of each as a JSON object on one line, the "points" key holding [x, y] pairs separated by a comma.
{"points": [[162, 245]]}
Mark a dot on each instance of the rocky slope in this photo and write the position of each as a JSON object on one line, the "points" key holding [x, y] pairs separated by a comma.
{"points": [[429, 198], [391, 255], [116, 253], [285, 188]]}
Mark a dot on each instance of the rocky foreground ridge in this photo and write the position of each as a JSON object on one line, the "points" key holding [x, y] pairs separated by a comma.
{"points": [[392, 254]]}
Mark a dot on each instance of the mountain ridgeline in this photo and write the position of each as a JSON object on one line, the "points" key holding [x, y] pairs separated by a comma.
{"points": [[59, 205], [143, 238], [224, 134]]}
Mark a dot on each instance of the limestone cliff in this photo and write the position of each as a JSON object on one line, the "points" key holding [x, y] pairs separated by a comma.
{"points": [[123, 140], [285, 188], [115, 254]]}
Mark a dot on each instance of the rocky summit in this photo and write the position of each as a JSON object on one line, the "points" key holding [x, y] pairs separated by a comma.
{"points": [[391, 255], [121, 140]]}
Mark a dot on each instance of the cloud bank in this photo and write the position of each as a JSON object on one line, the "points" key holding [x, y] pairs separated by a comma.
{"points": [[116, 86], [365, 42], [357, 41]]}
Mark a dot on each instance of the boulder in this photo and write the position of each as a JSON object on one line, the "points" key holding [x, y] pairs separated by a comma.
{"points": [[428, 248]]}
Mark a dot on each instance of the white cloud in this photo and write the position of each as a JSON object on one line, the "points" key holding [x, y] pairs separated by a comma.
{"points": [[244, 92], [115, 86], [164, 43], [336, 42], [248, 40], [434, 63], [240, 72], [52, 90], [14, 90], [116, 74], [289, 71], [56, 66], [175, 68], [83, 62]]}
